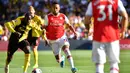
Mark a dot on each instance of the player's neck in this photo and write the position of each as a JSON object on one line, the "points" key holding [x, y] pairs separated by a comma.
{"points": [[56, 14]]}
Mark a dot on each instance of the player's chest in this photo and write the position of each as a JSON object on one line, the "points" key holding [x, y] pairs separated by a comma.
{"points": [[57, 21]]}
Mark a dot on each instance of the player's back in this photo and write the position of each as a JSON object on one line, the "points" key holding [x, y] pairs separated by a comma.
{"points": [[105, 13]]}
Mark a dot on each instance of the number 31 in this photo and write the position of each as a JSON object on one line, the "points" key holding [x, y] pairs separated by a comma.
{"points": [[101, 11]]}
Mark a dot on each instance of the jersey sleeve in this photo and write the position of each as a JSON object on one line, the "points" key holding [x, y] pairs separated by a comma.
{"points": [[12, 24], [1, 30], [89, 10], [41, 21], [66, 20], [120, 6], [46, 20]]}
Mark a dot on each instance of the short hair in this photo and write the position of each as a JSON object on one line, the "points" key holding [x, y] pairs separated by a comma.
{"points": [[31, 8], [54, 3]]}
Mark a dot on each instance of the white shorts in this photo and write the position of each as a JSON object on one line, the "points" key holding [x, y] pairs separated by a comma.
{"points": [[56, 45], [101, 50]]}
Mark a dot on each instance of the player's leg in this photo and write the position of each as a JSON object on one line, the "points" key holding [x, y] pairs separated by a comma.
{"points": [[12, 47], [56, 51], [35, 53], [98, 56], [66, 50], [24, 46], [27, 58], [65, 47], [11, 50], [113, 52], [35, 43]]}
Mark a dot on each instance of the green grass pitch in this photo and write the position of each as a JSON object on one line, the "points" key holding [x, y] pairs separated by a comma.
{"points": [[48, 64]]}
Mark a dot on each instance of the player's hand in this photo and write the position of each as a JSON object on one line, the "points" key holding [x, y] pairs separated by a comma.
{"points": [[122, 34], [47, 43], [76, 36]]}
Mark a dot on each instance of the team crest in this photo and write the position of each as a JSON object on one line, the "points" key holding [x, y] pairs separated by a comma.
{"points": [[52, 19], [61, 18]]}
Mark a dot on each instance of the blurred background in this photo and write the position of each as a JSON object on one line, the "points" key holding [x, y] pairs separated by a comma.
{"points": [[73, 9]]}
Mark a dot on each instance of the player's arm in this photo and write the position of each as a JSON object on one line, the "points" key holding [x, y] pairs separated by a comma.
{"points": [[124, 21], [45, 22], [1, 30], [69, 25], [26, 31], [12, 24], [44, 37], [88, 16], [44, 34], [41, 22], [44, 28], [9, 26]]}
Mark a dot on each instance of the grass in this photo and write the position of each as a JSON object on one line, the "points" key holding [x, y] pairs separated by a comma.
{"points": [[48, 64]]}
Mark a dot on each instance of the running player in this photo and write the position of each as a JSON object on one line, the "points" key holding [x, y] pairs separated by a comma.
{"points": [[19, 29], [55, 33]]}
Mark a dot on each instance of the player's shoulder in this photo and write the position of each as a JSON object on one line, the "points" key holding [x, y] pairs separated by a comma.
{"points": [[20, 17], [37, 17], [62, 14], [50, 14]]}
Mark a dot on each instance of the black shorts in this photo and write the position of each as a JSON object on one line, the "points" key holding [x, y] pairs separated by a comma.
{"points": [[14, 44], [33, 41]]}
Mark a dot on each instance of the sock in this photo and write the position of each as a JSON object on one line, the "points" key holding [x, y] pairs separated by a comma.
{"points": [[26, 62], [8, 60], [69, 57], [99, 68], [7, 69], [114, 68], [35, 52], [58, 58]]}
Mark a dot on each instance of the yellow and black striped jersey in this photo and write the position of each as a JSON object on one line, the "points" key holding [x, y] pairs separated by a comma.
{"points": [[1, 30], [37, 31], [21, 26]]}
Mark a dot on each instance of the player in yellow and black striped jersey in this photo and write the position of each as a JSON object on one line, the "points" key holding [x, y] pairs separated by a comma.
{"points": [[34, 34], [19, 28]]}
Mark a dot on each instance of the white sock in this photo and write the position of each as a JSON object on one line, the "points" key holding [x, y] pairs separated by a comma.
{"points": [[63, 58], [69, 57], [114, 68], [99, 68]]}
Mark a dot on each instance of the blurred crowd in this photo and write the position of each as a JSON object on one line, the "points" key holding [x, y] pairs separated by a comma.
{"points": [[74, 9]]}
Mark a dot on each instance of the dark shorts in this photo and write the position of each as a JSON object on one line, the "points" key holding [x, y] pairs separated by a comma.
{"points": [[14, 44], [33, 41]]}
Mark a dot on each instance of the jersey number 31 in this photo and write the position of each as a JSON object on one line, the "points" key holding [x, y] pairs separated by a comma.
{"points": [[102, 12]]}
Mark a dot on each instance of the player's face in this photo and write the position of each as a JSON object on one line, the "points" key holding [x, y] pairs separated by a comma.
{"points": [[56, 9], [31, 13]]}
